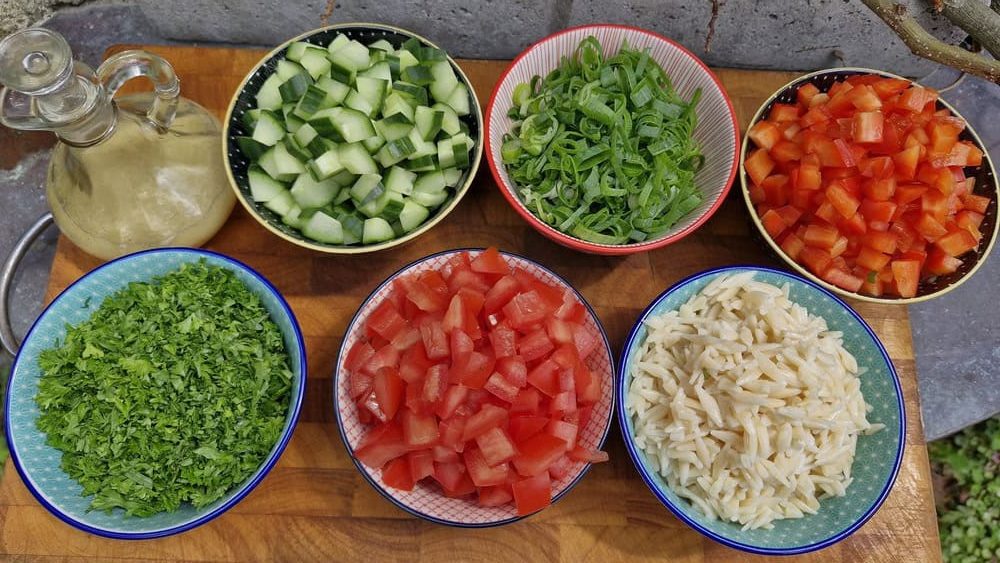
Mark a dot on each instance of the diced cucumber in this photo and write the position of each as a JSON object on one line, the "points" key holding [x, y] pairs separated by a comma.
{"points": [[394, 103], [382, 45], [416, 94], [377, 229], [422, 164], [295, 149], [335, 91], [460, 149], [353, 125], [342, 196], [445, 153], [295, 217], [286, 69], [281, 203], [308, 193], [373, 144], [293, 123], [324, 121], [341, 74], [299, 48], [249, 118], [251, 148], [345, 178], [381, 70], [355, 157], [372, 90], [367, 189], [358, 102], [412, 215], [375, 207], [338, 42], [262, 186], [450, 123], [316, 63], [323, 228], [268, 97], [418, 74], [452, 176], [400, 180], [286, 163], [428, 121], [430, 200], [429, 182], [406, 60], [326, 165], [393, 206], [444, 81], [306, 135], [393, 127], [312, 101], [353, 56], [459, 100], [421, 147], [293, 88]]}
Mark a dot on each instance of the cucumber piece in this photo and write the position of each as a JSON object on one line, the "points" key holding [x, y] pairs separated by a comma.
{"points": [[318, 145], [394, 127], [460, 149], [308, 193], [444, 81], [373, 144], [250, 117], [382, 45], [335, 91], [323, 228], [294, 88], [345, 178], [422, 164], [400, 181], [295, 217], [287, 69], [429, 183], [268, 96], [324, 121], [312, 101], [316, 63], [341, 74], [295, 149], [355, 158], [353, 125], [428, 121], [306, 135], [338, 42], [376, 230], [452, 176], [372, 90], [353, 56], [326, 165], [281, 203], [417, 94], [381, 71], [367, 189], [270, 167], [418, 74], [251, 148], [342, 196], [412, 215], [359, 103], [430, 200], [285, 163], [353, 225], [375, 207], [421, 147], [459, 100], [262, 186], [406, 60], [293, 123], [450, 123], [446, 153], [393, 206], [394, 103], [295, 51]]}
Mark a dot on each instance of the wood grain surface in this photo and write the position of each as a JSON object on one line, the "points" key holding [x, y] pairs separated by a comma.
{"points": [[314, 506]]}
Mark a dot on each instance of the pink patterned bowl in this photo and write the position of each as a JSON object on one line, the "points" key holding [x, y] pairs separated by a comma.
{"points": [[426, 500], [717, 132]]}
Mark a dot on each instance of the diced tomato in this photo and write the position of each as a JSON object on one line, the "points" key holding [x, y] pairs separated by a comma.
{"points": [[495, 446], [452, 434], [957, 242], [589, 456], [970, 221], [867, 127], [527, 401], [524, 427], [792, 245], [888, 87], [500, 294], [565, 431], [820, 236], [783, 112], [483, 473], [535, 345], [421, 464], [385, 321], [537, 453], [773, 223], [842, 279], [759, 165], [939, 263], [358, 355], [929, 227], [913, 98], [976, 203], [465, 277], [386, 356], [397, 474], [419, 431], [842, 200], [489, 416], [544, 377], [532, 494], [501, 388], [561, 467], [380, 445], [450, 400], [563, 402], [871, 259], [435, 340], [525, 310], [571, 309], [495, 496], [586, 341], [906, 162], [906, 274], [477, 370], [809, 177], [785, 151], [764, 134], [503, 339], [560, 331], [449, 475], [422, 294], [514, 370], [388, 392], [489, 261], [816, 259], [776, 189]]}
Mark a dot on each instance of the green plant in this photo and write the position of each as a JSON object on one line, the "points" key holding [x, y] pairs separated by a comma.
{"points": [[969, 515]]}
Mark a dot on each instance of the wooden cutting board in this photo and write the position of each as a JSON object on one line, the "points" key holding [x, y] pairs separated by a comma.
{"points": [[314, 506]]}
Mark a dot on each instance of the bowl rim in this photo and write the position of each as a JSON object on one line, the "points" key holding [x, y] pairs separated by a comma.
{"points": [[592, 247], [744, 188], [241, 493], [438, 216], [379, 488], [635, 455]]}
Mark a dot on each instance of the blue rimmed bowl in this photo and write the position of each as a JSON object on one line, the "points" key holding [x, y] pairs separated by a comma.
{"points": [[39, 464], [877, 458], [427, 501]]}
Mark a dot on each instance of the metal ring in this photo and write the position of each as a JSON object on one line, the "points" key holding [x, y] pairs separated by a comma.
{"points": [[8, 339]]}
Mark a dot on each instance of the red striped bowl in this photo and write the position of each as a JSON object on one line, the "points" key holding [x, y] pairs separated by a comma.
{"points": [[717, 131]]}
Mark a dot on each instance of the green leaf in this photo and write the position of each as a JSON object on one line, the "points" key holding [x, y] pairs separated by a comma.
{"points": [[173, 391]]}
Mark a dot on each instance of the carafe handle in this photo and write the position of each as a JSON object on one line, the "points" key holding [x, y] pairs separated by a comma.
{"points": [[127, 65]]}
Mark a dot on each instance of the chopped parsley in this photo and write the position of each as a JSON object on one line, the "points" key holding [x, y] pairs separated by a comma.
{"points": [[174, 391]]}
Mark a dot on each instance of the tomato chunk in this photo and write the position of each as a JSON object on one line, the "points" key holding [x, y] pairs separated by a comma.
{"points": [[532, 494]]}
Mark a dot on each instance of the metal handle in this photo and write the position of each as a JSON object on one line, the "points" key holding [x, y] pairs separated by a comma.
{"points": [[7, 337]]}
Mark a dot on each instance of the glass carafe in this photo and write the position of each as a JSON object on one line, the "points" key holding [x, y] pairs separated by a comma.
{"points": [[131, 173]]}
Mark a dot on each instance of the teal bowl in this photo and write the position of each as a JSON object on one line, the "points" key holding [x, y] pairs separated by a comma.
{"points": [[39, 464], [877, 458]]}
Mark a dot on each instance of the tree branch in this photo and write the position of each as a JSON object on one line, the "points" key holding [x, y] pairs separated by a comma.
{"points": [[978, 20], [925, 45]]}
